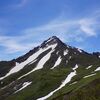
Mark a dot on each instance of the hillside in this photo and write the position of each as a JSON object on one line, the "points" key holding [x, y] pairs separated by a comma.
{"points": [[51, 71]]}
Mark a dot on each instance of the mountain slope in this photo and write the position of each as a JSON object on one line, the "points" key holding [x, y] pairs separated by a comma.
{"points": [[50, 71]]}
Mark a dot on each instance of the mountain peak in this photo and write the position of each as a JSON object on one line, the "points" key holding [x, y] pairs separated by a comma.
{"points": [[54, 37], [51, 40]]}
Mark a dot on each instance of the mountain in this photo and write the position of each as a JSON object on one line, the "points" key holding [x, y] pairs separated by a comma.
{"points": [[51, 71]]}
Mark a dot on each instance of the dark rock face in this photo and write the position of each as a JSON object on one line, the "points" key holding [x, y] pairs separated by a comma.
{"points": [[97, 54], [5, 66]]}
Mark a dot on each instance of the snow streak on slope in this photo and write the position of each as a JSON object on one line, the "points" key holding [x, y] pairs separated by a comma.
{"points": [[80, 50], [41, 62], [57, 62], [98, 69], [68, 79], [89, 67], [89, 75], [65, 52], [20, 66], [25, 84], [50, 39], [73, 83]]}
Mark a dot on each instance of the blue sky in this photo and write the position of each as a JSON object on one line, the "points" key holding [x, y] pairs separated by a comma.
{"points": [[25, 24]]}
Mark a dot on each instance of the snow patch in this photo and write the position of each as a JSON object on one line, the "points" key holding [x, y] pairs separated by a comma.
{"points": [[57, 62], [57, 52], [98, 69], [65, 52], [89, 67], [25, 84], [68, 46], [80, 50], [89, 75], [70, 57], [76, 66], [67, 80]]}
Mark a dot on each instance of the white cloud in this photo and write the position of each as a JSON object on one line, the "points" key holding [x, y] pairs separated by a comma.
{"points": [[87, 26], [13, 44], [68, 30]]}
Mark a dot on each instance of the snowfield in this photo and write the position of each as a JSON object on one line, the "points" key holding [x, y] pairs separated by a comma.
{"points": [[89, 75]]}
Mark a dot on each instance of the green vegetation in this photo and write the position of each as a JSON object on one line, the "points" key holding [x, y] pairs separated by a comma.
{"points": [[43, 81]]}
